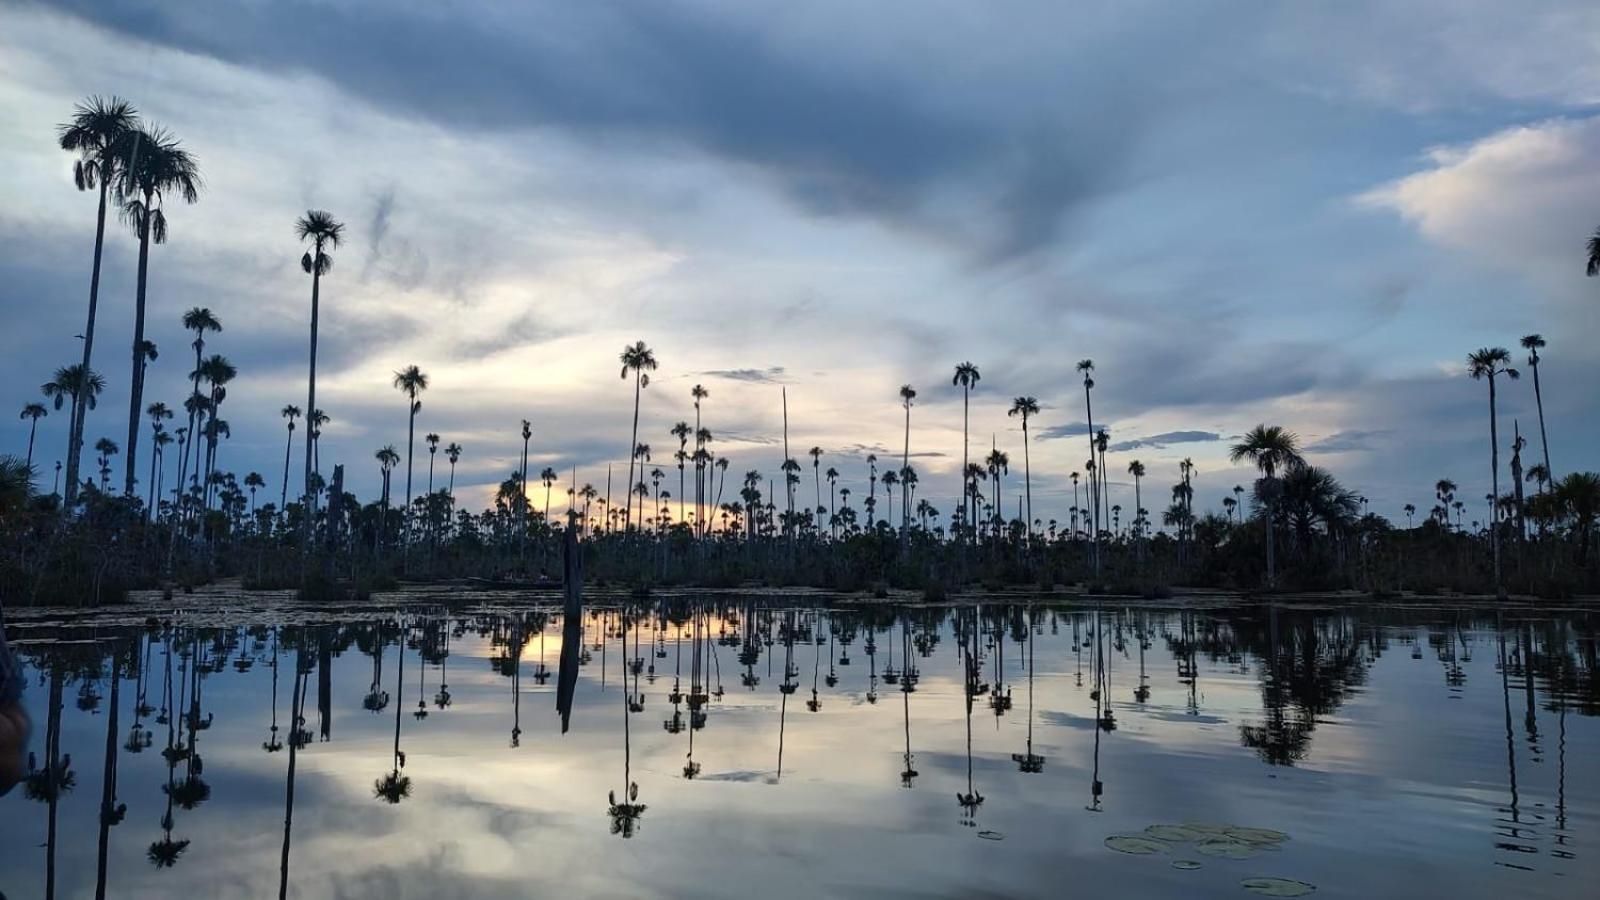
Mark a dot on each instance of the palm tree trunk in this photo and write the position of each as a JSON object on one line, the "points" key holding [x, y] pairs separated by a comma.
{"points": [[136, 380], [966, 495], [194, 436], [1027, 480], [155, 457], [311, 430], [296, 705], [288, 447], [1093, 486], [1544, 442], [108, 783], [32, 430], [75, 429], [633, 443], [905, 466], [1494, 480]]}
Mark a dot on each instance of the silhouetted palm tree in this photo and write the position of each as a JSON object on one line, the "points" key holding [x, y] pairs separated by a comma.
{"points": [[154, 166], [95, 133], [290, 412], [412, 382], [907, 394], [33, 412], [967, 377], [1086, 366], [453, 452], [69, 383], [1272, 449], [1533, 343], [640, 360], [324, 232], [1487, 363], [199, 320], [1025, 407]]}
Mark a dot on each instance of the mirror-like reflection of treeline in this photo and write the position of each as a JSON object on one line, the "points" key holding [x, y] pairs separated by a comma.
{"points": [[677, 661]]}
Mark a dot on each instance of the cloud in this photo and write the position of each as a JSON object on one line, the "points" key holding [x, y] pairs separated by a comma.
{"points": [[1160, 441], [1347, 441], [1071, 429], [771, 375]]}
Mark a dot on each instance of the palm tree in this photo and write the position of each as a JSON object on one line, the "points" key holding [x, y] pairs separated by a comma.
{"points": [[1488, 362], [324, 233], [1136, 469], [701, 437], [154, 166], [1272, 449], [107, 448], [522, 491], [82, 387], [454, 453], [967, 376], [158, 413], [640, 360], [290, 412], [412, 382], [253, 481], [433, 452], [1592, 266], [199, 320], [162, 440], [34, 412], [1025, 407], [907, 394], [95, 133], [1086, 366], [1533, 343]]}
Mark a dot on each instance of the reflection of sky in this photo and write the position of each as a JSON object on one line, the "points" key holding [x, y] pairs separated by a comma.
{"points": [[1406, 776]]}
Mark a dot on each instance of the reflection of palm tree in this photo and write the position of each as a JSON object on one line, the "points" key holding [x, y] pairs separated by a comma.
{"points": [[297, 703], [1029, 762], [394, 787], [971, 800], [625, 815], [908, 774], [111, 812]]}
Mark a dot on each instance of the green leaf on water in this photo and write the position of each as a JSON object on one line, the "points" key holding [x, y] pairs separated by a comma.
{"points": [[1261, 836], [1277, 887], [1129, 843], [1177, 833], [1226, 848], [1186, 865]]}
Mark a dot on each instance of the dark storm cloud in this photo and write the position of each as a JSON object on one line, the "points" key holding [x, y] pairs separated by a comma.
{"points": [[837, 139], [1070, 429], [1160, 441]]}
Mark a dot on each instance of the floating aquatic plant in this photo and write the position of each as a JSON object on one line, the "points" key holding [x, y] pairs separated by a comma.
{"points": [[1277, 887], [1129, 843]]}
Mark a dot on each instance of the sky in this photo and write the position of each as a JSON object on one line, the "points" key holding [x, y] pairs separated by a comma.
{"points": [[1302, 214]]}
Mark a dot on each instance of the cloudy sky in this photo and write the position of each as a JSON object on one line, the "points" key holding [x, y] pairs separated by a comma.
{"points": [[1302, 213]]}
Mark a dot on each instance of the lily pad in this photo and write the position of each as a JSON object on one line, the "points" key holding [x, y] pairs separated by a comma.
{"points": [[1226, 849], [1259, 836], [1131, 843], [1186, 865], [1178, 833], [991, 835], [1212, 829], [1277, 887]]}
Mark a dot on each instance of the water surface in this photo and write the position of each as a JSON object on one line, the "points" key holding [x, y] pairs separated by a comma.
{"points": [[731, 749]]}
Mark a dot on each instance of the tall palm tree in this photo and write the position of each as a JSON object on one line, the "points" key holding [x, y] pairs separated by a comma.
{"points": [[107, 448], [1592, 264], [159, 414], [411, 381], [199, 320], [816, 474], [82, 387], [454, 453], [640, 360], [907, 394], [290, 412], [701, 436], [1272, 449], [324, 232], [154, 166], [967, 376], [1533, 343], [218, 372], [433, 452], [1025, 407], [522, 490], [162, 440], [33, 412], [1086, 367], [1486, 363], [1136, 469], [95, 133]]}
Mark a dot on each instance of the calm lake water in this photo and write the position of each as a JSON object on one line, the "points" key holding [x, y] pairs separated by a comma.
{"points": [[728, 749]]}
